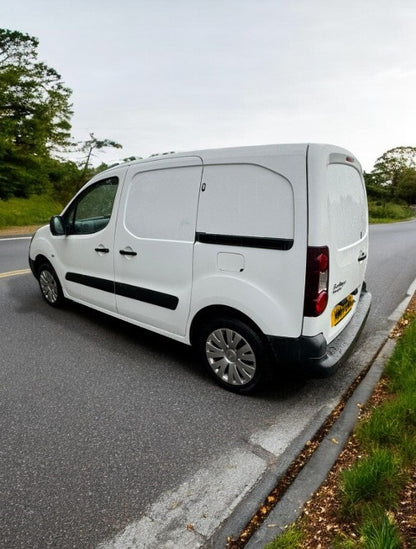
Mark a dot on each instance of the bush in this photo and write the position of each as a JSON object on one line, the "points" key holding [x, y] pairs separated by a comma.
{"points": [[381, 211]]}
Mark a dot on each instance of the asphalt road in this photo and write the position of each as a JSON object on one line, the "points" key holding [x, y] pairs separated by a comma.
{"points": [[98, 418]]}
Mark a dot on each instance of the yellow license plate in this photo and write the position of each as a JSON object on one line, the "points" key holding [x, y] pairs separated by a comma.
{"points": [[341, 310]]}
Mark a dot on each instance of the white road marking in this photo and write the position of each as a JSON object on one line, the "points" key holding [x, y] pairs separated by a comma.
{"points": [[15, 238]]}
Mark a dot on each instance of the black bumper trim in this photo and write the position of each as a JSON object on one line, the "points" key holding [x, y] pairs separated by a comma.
{"points": [[312, 354]]}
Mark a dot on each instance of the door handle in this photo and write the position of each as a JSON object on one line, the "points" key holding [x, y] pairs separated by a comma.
{"points": [[362, 256], [127, 252], [102, 250]]}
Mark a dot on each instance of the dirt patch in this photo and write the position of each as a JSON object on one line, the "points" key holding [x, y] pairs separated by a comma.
{"points": [[27, 230]]}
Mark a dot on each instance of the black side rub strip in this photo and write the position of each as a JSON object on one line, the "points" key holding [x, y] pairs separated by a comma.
{"points": [[245, 241], [148, 296], [126, 290], [91, 281]]}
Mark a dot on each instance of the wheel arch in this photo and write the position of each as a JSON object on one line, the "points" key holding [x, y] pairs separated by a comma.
{"points": [[38, 262], [213, 311]]}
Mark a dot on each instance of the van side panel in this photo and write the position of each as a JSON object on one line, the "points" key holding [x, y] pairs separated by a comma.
{"points": [[251, 239]]}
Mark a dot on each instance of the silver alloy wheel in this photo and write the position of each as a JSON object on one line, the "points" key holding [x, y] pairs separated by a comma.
{"points": [[230, 356], [49, 286]]}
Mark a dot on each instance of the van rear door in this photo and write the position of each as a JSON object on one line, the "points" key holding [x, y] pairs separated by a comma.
{"points": [[338, 219]]}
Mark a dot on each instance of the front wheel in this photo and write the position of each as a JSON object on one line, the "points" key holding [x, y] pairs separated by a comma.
{"points": [[50, 286], [233, 353]]}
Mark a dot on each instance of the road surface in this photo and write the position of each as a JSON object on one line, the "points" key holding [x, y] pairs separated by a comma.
{"points": [[99, 419]]}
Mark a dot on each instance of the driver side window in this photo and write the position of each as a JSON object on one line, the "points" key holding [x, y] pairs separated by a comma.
{"points": [[91, 211]]}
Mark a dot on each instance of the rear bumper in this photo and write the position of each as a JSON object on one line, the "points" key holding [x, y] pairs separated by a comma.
{"points": [[312, 354]]}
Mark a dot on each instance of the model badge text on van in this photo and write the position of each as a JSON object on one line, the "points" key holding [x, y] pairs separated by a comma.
{"points": [[255, 255]]}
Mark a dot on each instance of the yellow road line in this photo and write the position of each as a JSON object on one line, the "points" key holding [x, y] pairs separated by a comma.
{"points": [[15, 273]]}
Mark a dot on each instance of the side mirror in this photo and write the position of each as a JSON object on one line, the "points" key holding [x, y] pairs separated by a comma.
{"points": [[57, 226]]}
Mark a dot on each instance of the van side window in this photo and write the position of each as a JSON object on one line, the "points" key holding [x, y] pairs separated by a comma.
{"points": [[91, 211], [162, 204], [246, 200]]}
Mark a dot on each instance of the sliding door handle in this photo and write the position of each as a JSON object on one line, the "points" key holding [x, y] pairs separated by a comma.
{"points": [[102, 250], [362, 256], [128, 252]]}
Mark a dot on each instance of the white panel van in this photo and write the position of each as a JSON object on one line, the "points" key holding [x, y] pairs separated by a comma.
{"points": [[255, 255]]}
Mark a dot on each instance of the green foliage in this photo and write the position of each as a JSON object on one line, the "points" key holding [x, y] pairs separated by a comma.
{"points": [[382, 211], [392, 426], [63, 178], [400, 369], [385, 427], [35, 210], [34, 115], [406, 185], [393, 176], [292, 538], [388, 166], [376, 192]]}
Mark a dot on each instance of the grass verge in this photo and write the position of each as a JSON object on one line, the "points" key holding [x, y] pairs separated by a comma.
{"points": [[36, 210], [369, 500], [388, 212]]}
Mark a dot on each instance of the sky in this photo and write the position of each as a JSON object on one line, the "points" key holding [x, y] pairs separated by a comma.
{"points": [[179, 75]]}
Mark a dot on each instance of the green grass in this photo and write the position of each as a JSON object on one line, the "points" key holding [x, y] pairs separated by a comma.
{"points": [[392, 426], [291, 538], [35, 210], [401, 370], [376, 479], [379, 531], [388, 212]]}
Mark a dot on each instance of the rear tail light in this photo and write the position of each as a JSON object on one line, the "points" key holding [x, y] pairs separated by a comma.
{"points": [[317, 279]]}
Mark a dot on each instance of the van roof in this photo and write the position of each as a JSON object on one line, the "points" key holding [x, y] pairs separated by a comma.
{"points": [[228, 153]]}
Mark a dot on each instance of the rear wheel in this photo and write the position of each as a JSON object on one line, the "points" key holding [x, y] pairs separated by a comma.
{"points": [[233, 354], [50, 286]]}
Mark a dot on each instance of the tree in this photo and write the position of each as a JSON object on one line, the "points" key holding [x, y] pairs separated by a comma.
{"points": [[389, 166], [89, 146], [406, 185], [35, 114]]}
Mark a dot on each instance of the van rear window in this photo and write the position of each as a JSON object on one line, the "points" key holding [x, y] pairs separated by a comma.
{"points": [[347, 205]]}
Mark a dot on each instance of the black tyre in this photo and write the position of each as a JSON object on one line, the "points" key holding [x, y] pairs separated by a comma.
{"points": [[233, 353], [50, 286]]}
